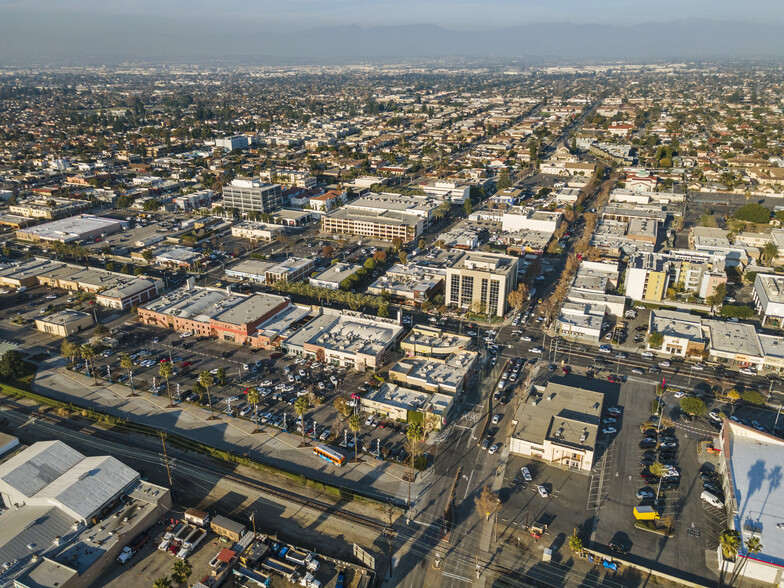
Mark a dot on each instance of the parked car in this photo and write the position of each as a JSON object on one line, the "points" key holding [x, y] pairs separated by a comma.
{"points": [[526, 474]]}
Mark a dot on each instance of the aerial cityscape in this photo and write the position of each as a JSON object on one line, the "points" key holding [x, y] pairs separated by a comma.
{"points": [[460, 315]]}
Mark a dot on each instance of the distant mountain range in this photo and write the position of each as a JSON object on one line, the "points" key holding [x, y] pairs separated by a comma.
{"points": [[139, 39]]}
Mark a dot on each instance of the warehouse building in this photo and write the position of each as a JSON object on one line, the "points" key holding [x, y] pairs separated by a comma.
{"points": [[72, 229], [64, 323], [68, 516]]}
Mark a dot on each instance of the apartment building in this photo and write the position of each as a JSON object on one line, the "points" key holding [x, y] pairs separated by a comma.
{"points": [[481, 282], [251, 194]]}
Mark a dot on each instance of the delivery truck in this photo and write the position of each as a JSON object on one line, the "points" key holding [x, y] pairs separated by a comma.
{"points": [[645, 513]]}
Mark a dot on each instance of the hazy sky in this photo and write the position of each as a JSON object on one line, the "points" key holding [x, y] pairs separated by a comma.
{"points": [[454, 14], [103, 31]]}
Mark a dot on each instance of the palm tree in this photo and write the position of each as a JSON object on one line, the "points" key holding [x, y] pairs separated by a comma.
{"points": [[414, 434], [729, 541], [162, 583], [126, 363], [770, 251], [657, 469], [301, 407], [205, 380], [355, 424], [753, 546], [87, 352], [253, 398], [165, 371], [181, 570]]}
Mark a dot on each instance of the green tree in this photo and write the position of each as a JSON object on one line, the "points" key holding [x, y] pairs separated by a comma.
{"points": [[693, 406], [370, 265], [165, 371], [402, 256], [205, 381], [717, 298], [342, 406], [87, 352], [468, 208], [301, 407], [655, 340], [162, 583], [576, 544], [147, 255], [253, 398], [126, 363], [770, 252], [181, 571], [151, 205], [753, 397], [69, 349], [355, 424], [221, 375], [754, 213], [708, 220], [11, 365]]}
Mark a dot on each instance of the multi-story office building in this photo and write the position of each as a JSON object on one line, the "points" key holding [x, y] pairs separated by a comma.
{"points": [[481, 282], [251, 194]]}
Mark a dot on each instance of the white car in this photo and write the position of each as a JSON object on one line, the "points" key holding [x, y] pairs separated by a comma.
{"points": [[526, 474], [714, 416], [246, 410], [679, 394], [526, 338], [698, 366], [369, 421], [646, 355], [496, 419], [747, 372], [538, 350], [664, 363], [493, 449], [185, 334], [609, 431], [266, 383], [542, 491]]}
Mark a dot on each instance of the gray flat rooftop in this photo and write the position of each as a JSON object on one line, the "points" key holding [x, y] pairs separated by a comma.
{"points": [[730, 337], [347, 334], [64, 317], [568, 413], [247, 310], [337, 273], [71, 228], [677, 324], [773, 286], [756, 462]]}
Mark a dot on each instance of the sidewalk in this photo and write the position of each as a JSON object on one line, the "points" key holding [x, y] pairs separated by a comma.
{"points": [[372, 477]]}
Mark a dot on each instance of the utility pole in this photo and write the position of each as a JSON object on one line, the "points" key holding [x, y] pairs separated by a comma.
{"points": [[166, 461]]}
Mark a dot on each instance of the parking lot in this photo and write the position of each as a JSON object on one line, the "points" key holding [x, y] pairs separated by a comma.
{"points": [[620, 478]]}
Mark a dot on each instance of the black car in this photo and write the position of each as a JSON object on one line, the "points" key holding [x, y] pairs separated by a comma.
{"points": [[709, 477], [618, 547], [714, 489], [654, 370], [649, 479], [647, 443], [646, 462], [670, 484], [667, 455]]}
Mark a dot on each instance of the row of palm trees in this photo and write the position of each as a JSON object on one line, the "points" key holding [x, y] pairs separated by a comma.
{"points": [[352, 300], [85, 351], [730, 543]]}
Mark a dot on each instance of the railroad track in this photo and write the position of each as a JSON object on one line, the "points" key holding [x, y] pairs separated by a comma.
{"points": [[247, 482]]}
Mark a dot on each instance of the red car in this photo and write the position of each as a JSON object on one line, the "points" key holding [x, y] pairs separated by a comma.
{"points": [[276, 355], [164, 360], [611, 378], [566, 369], [186, 363]]}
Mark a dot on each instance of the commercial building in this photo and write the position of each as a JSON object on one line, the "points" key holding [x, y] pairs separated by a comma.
{"points": [[347, 339], [256, 231], [681, 333], [210, 312], [429, 374], [447, 190], [175, 256], [188, 202], [431, 341], [529, 219], [559, 424], [410, 283], [75, 228], [332, 276], [64, 323], [248, 194], [481, 282], [113, 290], [292, 269], [750, 466], [769, 296], [233, 142], [399, 403], [49, 208], [650, 275], [738, 344], [66, 516], [581, 320]]}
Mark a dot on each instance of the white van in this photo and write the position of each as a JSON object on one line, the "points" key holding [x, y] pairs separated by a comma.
{"points": [[712, 499], [646, 354]]}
